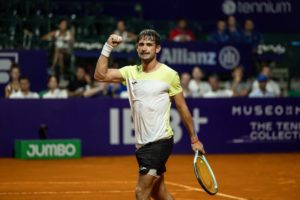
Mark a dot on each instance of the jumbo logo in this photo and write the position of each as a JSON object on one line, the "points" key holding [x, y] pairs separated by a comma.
{"points": [[51, 150]]}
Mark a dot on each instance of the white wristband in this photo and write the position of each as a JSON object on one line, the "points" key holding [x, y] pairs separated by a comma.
{"points": [[106, 50]]}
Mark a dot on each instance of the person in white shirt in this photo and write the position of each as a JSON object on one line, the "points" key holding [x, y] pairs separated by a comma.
{"points": [[262, 90], [196, 85], [185, 79], [215, 89], [24, 92], [53, 91], [14, 84], [63, 43], [272, 86], [238, 84], [127, 36]]}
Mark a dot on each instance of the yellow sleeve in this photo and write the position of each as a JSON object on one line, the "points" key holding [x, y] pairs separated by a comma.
{"points": [[124, 72], [175, 86]]}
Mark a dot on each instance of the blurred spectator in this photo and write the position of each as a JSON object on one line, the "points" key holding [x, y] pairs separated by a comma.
{"points": [[220, 36], [14, 85], [124, 93], [181, 33], [96, 89], [233, 31], [196, 85], [272, 87], [238, 85], [185, 80], [63, 41], [24, 92], [250, 35], [126, 35], [53, 91], [261, 90], [81, 82], [115, 90], [215, 89], [122, 31]]}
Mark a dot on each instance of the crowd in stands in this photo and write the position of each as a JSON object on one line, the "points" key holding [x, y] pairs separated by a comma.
{"points": [[195, 85]]}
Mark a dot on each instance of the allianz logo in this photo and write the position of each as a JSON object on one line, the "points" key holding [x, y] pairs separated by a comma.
{"points": [[231, 7], [51, 150], [228, 57]]}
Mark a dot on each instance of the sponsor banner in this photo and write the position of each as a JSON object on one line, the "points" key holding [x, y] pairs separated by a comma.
{"points": [[105, 125], [33, 64], [184, 56], [48, 149], [211, 57], [268, 15]]}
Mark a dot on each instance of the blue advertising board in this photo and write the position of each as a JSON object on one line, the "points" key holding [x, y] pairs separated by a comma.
{"points": [[183, 56], [212, 58], [33, 64], [105, 125]]}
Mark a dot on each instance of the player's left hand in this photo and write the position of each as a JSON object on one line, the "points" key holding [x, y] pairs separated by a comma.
{"points": [[198, 146]]}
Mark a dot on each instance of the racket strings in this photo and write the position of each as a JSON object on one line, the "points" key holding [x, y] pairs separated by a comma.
{"points": [[205, 175]]}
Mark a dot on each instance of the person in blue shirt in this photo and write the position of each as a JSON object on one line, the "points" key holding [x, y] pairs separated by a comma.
{"points": [[220, 36], [250, 35], [261, 91], [233, 30]]}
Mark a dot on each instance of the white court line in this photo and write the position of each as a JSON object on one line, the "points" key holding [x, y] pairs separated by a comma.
{"points": [[73, 192], [98, 182], [62, 192], [63, 182], [200, 190]]}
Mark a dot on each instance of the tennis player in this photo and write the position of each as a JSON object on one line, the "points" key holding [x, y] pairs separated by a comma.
{"points": [[151, 86]]}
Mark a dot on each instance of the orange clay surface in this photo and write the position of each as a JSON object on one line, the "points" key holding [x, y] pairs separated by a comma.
{"points": [[249, 176]]}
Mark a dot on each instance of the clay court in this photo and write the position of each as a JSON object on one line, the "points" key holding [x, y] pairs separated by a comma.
{"points": [[249, 176]]}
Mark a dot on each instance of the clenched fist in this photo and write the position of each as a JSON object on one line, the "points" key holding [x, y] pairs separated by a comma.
{"points": [[114, 40]]}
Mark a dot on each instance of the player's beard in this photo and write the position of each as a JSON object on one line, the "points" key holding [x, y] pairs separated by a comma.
{"points": [[147, 60]]}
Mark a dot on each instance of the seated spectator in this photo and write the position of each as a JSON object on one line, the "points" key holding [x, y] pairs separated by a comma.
{"points": [[220, 36], [261, 90], [117, 89], [77, 87], [122, 31], [185, 80], [238, 85], [272, 86], [126, 35], [96, 89], [24, 92], [53, 91], [181, 33], [250, 35], [14, 85], [233, 31], [215, 89], [196, 85], [63, 41]]}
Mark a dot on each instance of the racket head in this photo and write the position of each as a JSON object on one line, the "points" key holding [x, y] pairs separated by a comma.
{"points": [[204, 174]]}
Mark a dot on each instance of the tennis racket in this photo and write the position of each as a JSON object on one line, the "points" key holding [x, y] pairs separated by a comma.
{"points": [[204, 174]]}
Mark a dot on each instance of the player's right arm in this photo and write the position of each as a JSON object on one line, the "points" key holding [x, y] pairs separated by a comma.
{"points": [[102, 72]]}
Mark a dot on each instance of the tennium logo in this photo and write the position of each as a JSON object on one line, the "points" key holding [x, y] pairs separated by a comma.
{"points": [[229, 57], [231, 7]]}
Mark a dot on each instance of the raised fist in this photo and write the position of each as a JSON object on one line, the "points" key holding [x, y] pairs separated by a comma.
{"points": [[114, 40]]}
